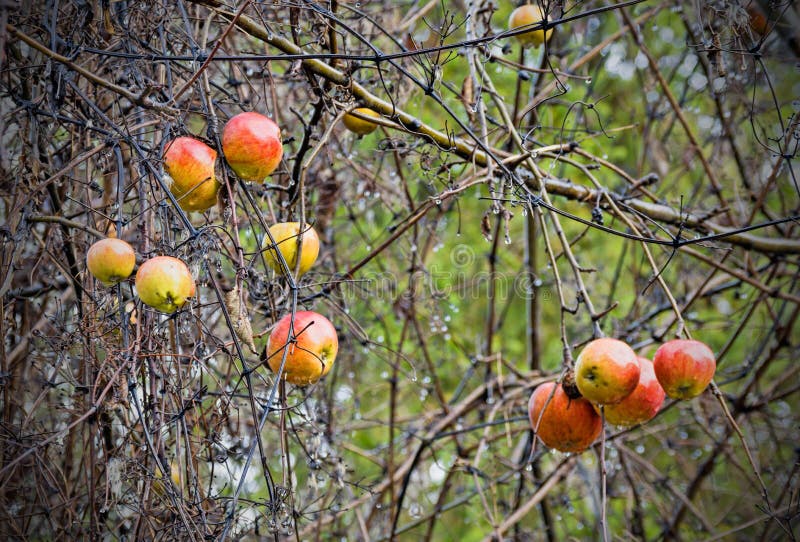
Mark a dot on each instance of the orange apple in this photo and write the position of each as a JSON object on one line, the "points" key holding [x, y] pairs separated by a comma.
{"points": [[361, 126], [252, 146], [568, 425], [286, 235], [164, 283], [684, 367], [190, 164], [110, 260], [311, 352], [529, 14], [642, 404], [606, 371]]}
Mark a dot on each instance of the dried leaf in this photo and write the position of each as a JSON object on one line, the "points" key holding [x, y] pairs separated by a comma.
{"points": [[241, 323]]}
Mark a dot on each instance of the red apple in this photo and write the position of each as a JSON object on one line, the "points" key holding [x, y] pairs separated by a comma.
{"points": [[607, 371], [310, 354], [252, 146], [164, 283], [110, 260], [568, 425], [642, 404], [684, 367], [190, 164]]}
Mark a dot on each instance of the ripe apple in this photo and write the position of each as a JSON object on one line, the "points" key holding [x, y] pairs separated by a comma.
{"points": [[684, 367], [361, 126], [568, 425], [252, 146], [642, 404], [286, 235], [310, 354], [525, 15], [110, 260], [164, 283], [190, 164], [606, 371]]}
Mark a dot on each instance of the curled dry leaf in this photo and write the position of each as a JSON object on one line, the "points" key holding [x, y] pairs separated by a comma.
{"points": [[241, 323]]}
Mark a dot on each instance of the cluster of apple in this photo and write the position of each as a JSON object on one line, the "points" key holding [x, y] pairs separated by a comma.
{"points": [[162, 282], [630, 389], [253, 148]]}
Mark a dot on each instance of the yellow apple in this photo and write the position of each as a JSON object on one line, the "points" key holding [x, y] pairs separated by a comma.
{"points": [[164, 283], [525, 15], [190, 164], [361, 126], [286, 235], [310, 354], [110, 260]]}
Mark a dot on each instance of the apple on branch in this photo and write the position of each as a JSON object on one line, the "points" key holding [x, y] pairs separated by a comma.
{"points": [[642, 404], [606, 371], [684, 367], [529, 14], [567, 425], [110, 260], [310, 348], [190, 165], [164, 283], [286, 236], [360, 126], [252, 146]]}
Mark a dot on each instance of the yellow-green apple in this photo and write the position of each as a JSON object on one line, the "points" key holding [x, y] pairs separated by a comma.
{"points": [[164, 283], [529, 14], [110, 260], [252, 145], [684, 367], [310, 350], [606, 371], [286, 235], [642, 404], [361, 126], [568, 425], [190, 164]]}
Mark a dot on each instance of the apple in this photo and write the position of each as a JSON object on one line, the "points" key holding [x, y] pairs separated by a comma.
{"points": [[110, 260], [606, 371], [164, 283], [286, 235], [642, 404], [568, 425], [190, 164], [684, 367], [311, 351], [252, 146], [529, 14], [361, 126]]}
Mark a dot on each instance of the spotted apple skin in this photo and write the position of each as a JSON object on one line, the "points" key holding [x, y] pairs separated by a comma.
{"points": [[164, 283], [190, 164], [642, 404], [252, 146], [684, 367], [567, 425], [606, 371], [311, 355]]}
